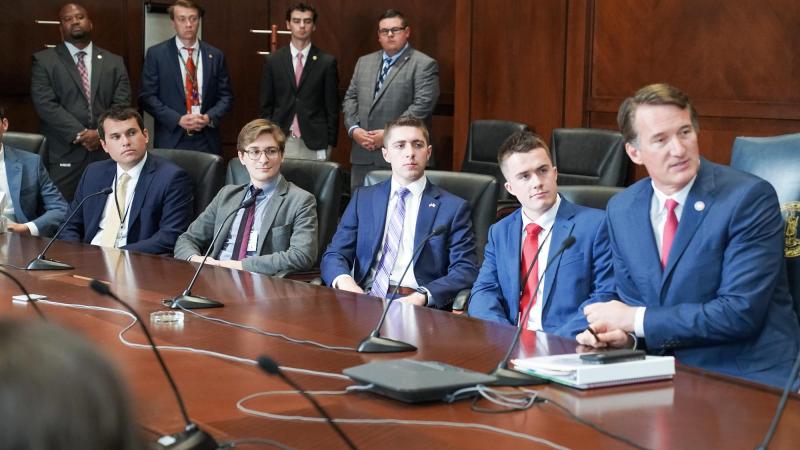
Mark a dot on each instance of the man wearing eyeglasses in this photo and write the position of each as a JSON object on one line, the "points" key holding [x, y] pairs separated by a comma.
{"points": [[277, 234], [185, 85], [395, 81]]}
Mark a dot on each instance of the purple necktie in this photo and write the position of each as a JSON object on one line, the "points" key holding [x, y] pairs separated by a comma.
{"points": [[391, 245]]}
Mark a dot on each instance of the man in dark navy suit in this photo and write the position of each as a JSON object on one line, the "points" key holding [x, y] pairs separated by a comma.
{"points": [[579, 276], [152, 201], [185, 85], [299, 89], [698, 253], [385, 222]]}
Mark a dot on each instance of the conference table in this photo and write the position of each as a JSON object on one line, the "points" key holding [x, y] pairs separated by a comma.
{"points": [[697, 409]]}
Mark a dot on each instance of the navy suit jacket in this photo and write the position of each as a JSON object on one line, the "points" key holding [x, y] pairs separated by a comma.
{"points": [[581, 275], [161, 209], [315, 101], [163, 95], [446, 264], [722, 302], [36, 199]]}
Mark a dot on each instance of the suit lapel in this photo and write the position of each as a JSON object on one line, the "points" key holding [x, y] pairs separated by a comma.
{"points": [[396, 68], [285, 60], [175, 63], [641, 229], [428, 207], [94, 207], [208, 60], [691, 218], [562, 228], [271, 210], [512, 246], [69, 64], [97, 70], [309, 66], [14, 174], [379, 203], [142, 186], [228, 205]]}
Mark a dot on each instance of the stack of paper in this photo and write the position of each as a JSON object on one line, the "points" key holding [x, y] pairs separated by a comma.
{"points": [[570, 370]]}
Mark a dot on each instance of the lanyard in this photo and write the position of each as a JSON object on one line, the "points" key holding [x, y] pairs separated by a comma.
{"points": [[192, 76]]}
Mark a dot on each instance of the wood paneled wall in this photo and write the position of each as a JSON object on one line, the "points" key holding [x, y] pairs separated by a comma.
{"points": [[548, 63], [571, 63]]}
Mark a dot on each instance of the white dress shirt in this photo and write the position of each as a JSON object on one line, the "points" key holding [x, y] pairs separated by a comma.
{"points": [[658, 219], [546, 221], [111, 204], [87, 60]]}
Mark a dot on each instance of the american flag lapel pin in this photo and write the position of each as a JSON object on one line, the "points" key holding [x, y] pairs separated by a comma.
{"points": [[431, 205]]}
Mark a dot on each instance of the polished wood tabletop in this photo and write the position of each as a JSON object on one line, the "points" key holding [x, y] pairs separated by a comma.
{"points": [[697, 409]]}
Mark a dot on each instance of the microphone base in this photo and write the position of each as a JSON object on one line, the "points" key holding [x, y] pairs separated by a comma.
{"points": [[188, 301], [510, 377], [47, 264], [377, 344], [192, 438]]}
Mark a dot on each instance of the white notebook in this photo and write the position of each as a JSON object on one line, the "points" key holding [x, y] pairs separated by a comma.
{"points": [[570, 370]]}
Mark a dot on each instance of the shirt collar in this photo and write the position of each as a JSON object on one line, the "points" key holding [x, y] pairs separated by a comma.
{"points": [[181, 46], [680, 196], [294, 51], [393, 59], [546, 220], [74, 50], [415, 188], [268, 187], [134, 171]]}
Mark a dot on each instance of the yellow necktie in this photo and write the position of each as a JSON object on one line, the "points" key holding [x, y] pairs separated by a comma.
{"points": [[113, 222]]}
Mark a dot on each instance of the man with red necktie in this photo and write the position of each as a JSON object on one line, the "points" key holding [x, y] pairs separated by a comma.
{"points": [[698, 253]]}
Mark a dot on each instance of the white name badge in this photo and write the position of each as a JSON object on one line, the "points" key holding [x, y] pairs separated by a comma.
{"points": [[196, 109]]}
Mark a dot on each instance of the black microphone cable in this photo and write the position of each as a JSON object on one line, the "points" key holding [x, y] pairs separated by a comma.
{"points": [[32, 301]]}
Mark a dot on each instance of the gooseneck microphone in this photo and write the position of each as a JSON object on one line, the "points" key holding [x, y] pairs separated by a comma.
{"points": [[374, 343], [40, 262], [773, 426], [511, 377], [188, 301], [271, 367], [30, 299], [192, 437]]}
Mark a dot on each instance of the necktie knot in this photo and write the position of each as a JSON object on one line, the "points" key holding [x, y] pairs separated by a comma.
{"points": [[189, 51], [81, 54], [402, 193], [532, 229], [670, 204], [300, 57]]}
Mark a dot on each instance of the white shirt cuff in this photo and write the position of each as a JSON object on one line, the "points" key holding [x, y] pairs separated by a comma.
{"points": [[428, 295], [336, 280], [351, 129], [33, 228], [638, 321]]}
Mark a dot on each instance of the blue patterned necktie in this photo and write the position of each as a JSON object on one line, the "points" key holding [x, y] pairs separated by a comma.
{"points": [[391, 245], [387, 64]]}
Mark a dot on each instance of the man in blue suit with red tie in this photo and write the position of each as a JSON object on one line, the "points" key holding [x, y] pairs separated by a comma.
{"points": [[579, 276], [698, 253], [384, 223], [185, 85], [152, 201]]}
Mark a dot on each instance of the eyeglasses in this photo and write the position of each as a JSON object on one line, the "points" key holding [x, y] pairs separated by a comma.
{"points": [[190, 19], [255, 155], [386, 31]]}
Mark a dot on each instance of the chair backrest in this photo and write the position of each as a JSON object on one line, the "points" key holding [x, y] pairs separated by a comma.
{"points": [[589, 156], [31, 142], [591, 196], [483, 141], [480, 192], [207, 172], [777, 160], [323, 179]]}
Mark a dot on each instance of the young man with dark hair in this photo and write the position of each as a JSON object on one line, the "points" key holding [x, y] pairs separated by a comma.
{"points": [[152, 201], [385, 222], [278, 234], [581, 275], [299, 89]]}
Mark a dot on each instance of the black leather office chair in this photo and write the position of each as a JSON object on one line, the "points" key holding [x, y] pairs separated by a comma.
{"points": [[589, 156], [777, 160], [206, 171], [485, 138], [591, 196], [31, 142], [321, 178], [480, 192]]}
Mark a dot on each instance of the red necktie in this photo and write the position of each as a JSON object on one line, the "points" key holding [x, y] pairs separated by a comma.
{"points": [[529, 249], [190, 84], [670, 227]]}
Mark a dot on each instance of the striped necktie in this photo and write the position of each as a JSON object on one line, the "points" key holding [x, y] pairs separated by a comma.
{"points": [[387, 64], [391, 245]]}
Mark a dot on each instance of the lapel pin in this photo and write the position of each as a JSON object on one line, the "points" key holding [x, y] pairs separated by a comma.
{"points": [[431, 205], [699, 205], [210, 56], [314, 57], [99, 56]]}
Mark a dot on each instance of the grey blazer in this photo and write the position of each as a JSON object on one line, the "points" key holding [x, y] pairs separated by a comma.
{"points": [[412, 88], [58, 97], [287, 240]]}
